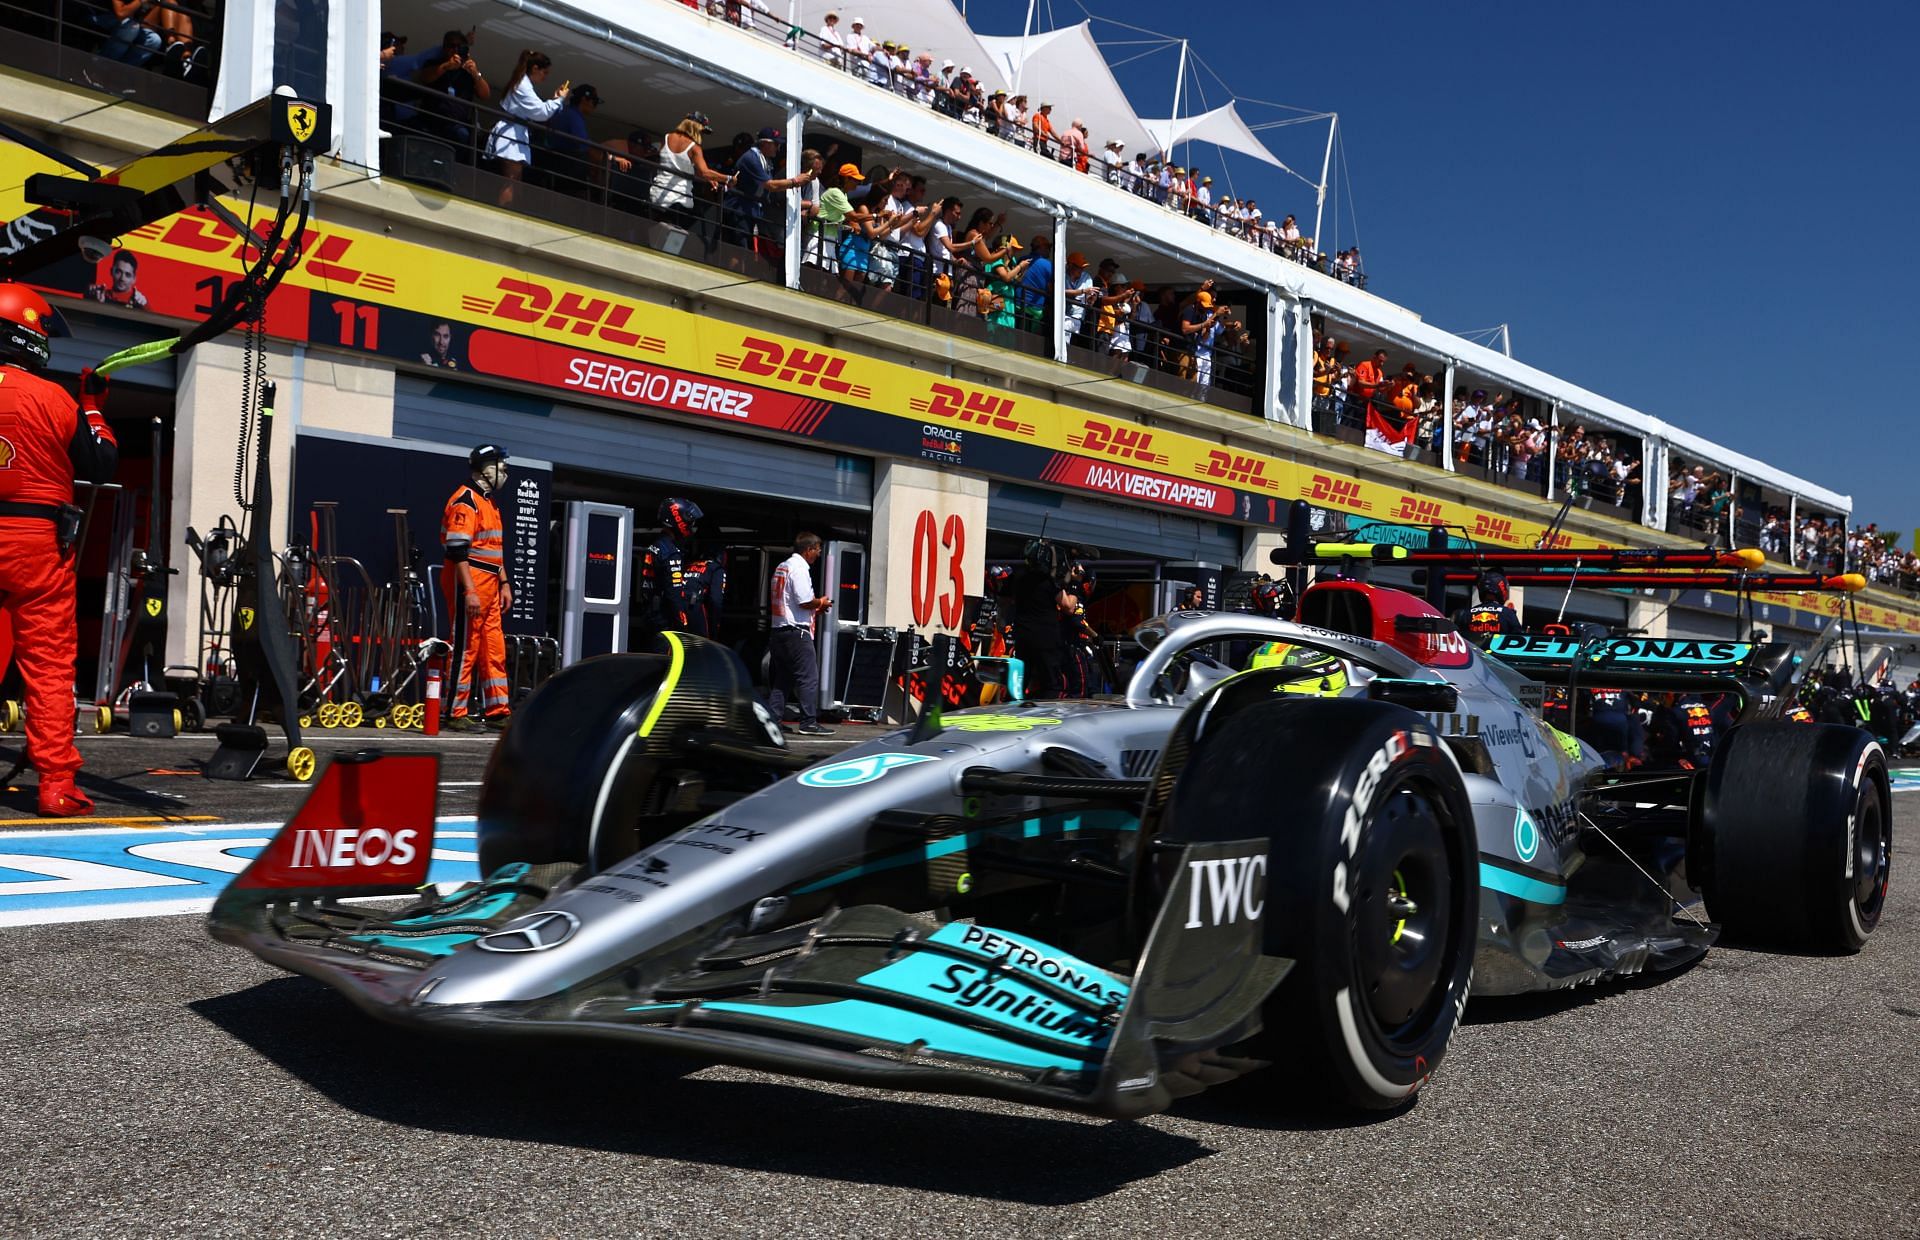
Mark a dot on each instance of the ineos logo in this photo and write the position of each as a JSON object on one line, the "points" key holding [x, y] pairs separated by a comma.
{"points": [[535, 932]]}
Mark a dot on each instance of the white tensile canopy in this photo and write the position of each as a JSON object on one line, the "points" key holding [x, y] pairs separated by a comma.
{"points": [[1065, 67], [1222, 127], [933, 26]]}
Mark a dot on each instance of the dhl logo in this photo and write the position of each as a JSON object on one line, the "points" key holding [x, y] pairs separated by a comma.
{"points": [[323, 256], [1498, 529], [958, 404], [1128, 443], [1556, 542], [1421, 511], [1340, 492], [806, 367], [531, 304], [1246, 470]]}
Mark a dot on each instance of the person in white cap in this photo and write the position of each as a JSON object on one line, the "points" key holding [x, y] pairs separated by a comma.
{"points": [[833, 45], [1113, 162], [858, 44]]}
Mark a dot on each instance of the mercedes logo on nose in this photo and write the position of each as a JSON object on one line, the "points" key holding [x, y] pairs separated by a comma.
{"points": [[535, 932]]}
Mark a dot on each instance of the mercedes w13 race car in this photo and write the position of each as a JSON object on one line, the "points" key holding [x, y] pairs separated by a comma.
{"points": [[1100, 905]]}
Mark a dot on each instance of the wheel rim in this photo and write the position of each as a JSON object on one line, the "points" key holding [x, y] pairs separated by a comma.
{"points": [[1873, 849], [1403, 916]]}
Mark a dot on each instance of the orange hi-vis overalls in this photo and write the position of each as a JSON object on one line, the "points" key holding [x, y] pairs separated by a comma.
{"points": [[471, 531]]}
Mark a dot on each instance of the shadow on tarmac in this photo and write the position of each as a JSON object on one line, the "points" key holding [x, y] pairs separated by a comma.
{"points": [[611, 1099], [1505, 1009]]}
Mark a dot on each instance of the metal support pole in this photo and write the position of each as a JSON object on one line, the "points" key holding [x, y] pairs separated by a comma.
{"points": [[1179, 80], [1303, 366], [1553, 448], [1276, 355], [1057, 319], [1026, 32], [1320, 196], [796, 227], [1793, 529], [1446, 419]]}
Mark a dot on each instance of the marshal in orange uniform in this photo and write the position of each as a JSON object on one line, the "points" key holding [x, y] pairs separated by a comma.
{"points": [[46, 441], [475, 586]]}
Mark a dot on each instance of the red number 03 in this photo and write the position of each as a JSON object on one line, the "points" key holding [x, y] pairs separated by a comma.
{"points": [[930, 537]]}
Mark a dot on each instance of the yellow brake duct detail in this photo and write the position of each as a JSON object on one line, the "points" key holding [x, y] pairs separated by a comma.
{"points": [[677, 663]]}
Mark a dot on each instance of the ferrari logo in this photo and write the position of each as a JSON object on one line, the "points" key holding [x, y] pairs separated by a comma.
{"points": [[6, 454], [246, 617], [155, 606], [301, 119]]}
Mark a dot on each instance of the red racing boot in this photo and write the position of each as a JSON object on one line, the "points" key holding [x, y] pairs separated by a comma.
{"points": [[60, 799]]}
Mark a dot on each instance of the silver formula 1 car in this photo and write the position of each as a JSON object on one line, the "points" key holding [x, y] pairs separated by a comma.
{"points": [[1099, 905]]}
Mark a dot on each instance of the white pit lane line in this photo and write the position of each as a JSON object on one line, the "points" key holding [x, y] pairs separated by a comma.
{"points": [[112, 873]]}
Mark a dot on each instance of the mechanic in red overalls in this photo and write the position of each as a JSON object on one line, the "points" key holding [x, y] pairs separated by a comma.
{"points": [[475, 586], [46, 441]]}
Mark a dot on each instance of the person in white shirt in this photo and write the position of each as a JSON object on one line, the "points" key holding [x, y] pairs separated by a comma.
{"points": [[833, 45], [1080, 295], [795, 663], [859, 46], [509, 142]]}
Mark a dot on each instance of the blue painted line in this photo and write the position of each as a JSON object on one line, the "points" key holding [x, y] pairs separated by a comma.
{"points": [[50, 876]]}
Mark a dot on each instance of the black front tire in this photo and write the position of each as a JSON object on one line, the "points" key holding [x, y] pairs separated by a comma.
{"points": [[1795, 839], [1374, 887]]}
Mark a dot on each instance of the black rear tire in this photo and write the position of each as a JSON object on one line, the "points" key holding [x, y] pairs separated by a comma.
{"points": [[1796, 835], [1378, 907]]}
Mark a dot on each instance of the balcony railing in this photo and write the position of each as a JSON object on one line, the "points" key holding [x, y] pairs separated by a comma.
{"points": [[614, 191], [162, 53]]}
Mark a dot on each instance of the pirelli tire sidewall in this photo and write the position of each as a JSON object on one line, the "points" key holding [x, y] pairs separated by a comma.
{"points": [[1793, 847], [1344, 764], [573, 780]]}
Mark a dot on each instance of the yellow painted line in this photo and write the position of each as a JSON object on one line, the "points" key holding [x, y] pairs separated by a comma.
{"points": [[97, 821]]}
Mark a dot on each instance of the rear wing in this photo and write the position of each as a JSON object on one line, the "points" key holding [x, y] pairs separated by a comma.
{"points": [[1646, 662]]}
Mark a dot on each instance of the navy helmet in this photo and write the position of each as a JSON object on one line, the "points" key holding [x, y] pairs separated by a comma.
{"points": [[680, 516]]}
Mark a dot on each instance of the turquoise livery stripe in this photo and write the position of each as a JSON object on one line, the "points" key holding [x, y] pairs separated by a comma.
{"points": [[1523, 886]]}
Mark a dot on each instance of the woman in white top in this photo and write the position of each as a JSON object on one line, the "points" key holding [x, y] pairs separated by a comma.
{"points": [[508, 143], [682, 165]]}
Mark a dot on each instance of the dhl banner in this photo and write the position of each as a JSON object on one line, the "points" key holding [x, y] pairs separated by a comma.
{"points": [[368, 293]]}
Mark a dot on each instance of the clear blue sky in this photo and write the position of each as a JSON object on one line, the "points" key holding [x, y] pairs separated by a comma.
{"points": [[1710, 212]]}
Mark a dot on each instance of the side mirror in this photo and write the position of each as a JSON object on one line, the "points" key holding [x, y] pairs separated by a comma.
{"points": [[1430, 696]]}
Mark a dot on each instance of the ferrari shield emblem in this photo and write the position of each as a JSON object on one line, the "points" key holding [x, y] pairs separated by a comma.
{"points": [[301, 119], [154, 607], [246, 617]]}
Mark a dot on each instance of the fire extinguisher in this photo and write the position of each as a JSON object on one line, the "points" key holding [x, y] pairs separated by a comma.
{"points": [[430, 724]]}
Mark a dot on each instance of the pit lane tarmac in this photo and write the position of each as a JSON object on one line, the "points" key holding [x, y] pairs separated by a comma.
{"points": [[164, 839], [159, 1081]]}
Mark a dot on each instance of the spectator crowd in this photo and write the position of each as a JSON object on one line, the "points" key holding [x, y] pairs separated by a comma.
{"points": [[1503, 435], [1028, 121]]}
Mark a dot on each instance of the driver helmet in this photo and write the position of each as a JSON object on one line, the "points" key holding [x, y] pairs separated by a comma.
{"points": [[1312, 672], [680, 516], [26, 323], [1045, 557], [1273, 598]]}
